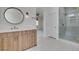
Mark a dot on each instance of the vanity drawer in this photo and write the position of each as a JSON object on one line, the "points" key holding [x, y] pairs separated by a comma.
{"points": [[12, 34], [2, 35], [8, 34]]}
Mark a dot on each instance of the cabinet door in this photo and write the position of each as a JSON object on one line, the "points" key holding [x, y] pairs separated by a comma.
{"points": [[6, 44], [1, 44], [15, 43], [34, 34], [27, 39], [10, 44], [31, 37], [23, 40]]}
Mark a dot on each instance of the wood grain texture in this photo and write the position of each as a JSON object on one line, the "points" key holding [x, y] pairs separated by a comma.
{"points": [[18, 41], [1, 46]]}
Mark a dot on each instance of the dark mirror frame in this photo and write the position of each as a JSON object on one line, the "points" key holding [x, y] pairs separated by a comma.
{"points": [[11, 22]]}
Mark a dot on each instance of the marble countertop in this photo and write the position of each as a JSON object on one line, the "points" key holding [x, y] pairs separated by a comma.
{"points": [[14, 29]]}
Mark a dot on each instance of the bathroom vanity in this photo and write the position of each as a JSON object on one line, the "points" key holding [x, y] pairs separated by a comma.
{"points": [[18, 40], [17, 28]]}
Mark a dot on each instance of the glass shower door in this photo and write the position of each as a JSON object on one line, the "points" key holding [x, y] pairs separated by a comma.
{"points": [[72, 24]]}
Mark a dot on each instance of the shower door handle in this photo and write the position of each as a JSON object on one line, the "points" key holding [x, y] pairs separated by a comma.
{"points": [[62, 24]]}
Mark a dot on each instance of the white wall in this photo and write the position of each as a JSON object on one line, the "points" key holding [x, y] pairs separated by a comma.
{"points": [[51, 20], [40, 17], [40, 22], [28, 22]]}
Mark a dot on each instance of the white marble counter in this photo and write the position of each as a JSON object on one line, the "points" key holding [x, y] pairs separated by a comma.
{"points": [[14, 29]]}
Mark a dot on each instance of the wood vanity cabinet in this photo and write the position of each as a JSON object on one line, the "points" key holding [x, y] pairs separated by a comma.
{"points": [[0, 43], [18, 41]]}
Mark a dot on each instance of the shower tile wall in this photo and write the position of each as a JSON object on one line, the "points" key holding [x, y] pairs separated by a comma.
{"points": [[72, 24], [62, 22]]}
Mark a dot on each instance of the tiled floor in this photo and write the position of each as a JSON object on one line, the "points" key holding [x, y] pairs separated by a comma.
{"points": [[50, 44]]}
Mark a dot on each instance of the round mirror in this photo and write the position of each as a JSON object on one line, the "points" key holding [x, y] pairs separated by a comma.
{"points": [[13, 15]]}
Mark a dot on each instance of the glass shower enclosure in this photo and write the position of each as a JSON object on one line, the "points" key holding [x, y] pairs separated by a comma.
{"points": [[69, 23]]}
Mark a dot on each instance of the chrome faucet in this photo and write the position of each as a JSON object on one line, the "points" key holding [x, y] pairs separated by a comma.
{"points": [[14, 28]]}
